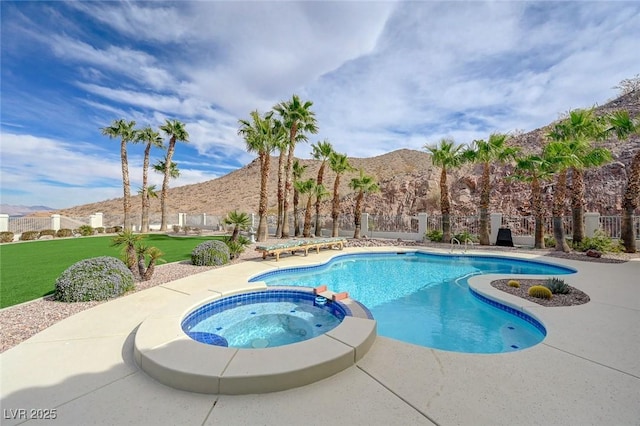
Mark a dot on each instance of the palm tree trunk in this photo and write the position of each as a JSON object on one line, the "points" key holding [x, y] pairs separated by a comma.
{"points": [[262, 208], [335, 206], [150, 270], [296, 222], [287, 190], [630, 204], [318, 226], [485, 193], [126, 185], [281, 164], [307, 219], [536, 204], [144, 225], [559, 198], [165, 183], [358, 215], [577, 204], [445, 206]]}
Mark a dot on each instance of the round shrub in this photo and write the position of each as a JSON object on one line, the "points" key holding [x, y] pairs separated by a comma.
{"points": [[65, 232], [86, 230], [29, 235], [540, 291], [99, 278], [6, 237], [100, 229], [210, 253], [514, 283], [46, 232]]}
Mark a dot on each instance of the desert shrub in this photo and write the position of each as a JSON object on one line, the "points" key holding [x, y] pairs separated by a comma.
{"points": [[110, 230], [6, 237], [99, 278], [47, 232], [465, 236], [29, 235], [210, 253], [64, 233], [86, 230], [601, 242], [100, 229], [176, 228], [514, 283], [435, 236], [237, 247], [117, 229], [557, 286], [540, 291], [549, 241]]}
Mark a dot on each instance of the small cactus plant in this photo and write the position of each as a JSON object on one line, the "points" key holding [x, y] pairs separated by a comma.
{"points": [[514, 283], [557, 286], [540, 291]]}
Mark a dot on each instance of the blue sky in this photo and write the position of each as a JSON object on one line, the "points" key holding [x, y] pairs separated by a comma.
{"points": [[382, 76]]}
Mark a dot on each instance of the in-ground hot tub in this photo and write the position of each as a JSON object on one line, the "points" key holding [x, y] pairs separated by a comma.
{"points": [[207, 364], [264, 319]]}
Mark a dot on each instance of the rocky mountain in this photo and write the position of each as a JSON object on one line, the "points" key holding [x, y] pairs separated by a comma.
{"points": [[408, 180], [13, 210]]}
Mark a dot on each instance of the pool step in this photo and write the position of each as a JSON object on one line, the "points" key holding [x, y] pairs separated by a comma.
{"points": [[328, 294]]}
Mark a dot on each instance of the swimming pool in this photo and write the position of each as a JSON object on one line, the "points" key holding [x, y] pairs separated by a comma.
{"points": [[263, 319], [425, 299]]}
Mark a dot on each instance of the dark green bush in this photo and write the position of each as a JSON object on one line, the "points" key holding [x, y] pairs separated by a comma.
{"points": [[435, 236], [100, 229], [557, 286], [465, 236], [601, 242], [64, 233], [549, 241], [99, 278], [29, 235], [86, 230], [6, 237], [210, 253], [47, 232]]}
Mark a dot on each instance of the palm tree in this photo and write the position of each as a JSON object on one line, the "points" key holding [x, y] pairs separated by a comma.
{"points": [[176, 131], [312, 190], [125, 131], [487, 152], [151, 138], [154, 253], [534, 170], [262, 135], [129, 240], [623, 126], [320, 151], [240, 221], [339, 163], [578, 130], [555, 153], [446, 155], [363, 184], [148, 193], [298, 118], [282, 148], [160, 166], [298, 170]]}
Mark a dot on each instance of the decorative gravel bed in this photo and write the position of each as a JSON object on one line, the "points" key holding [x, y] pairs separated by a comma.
{"points": [[20, 322], [574, 297]]}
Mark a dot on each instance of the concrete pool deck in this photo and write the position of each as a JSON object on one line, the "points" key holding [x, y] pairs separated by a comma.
{"points": [[586, 371]]}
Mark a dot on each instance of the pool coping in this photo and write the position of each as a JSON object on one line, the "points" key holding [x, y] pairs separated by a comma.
{"points": [[165, 352]]}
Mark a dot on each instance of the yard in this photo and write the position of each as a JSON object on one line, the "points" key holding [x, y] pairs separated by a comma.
{"points": [[29, 270]]}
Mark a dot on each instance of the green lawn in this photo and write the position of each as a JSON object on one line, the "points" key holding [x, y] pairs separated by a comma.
{"points": [[29, 270]]}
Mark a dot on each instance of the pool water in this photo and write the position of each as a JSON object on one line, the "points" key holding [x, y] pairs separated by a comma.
{"points": [[425, 299], [262, 319]]}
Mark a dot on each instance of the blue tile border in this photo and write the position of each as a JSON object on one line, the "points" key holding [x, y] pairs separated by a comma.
{"points": [[526, 317], [275, 294]]}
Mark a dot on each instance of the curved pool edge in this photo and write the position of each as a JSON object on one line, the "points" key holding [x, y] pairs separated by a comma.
{"points": [[166, 353]]}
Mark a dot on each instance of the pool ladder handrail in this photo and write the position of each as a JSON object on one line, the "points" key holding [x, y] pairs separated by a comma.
{"points": [[454, 240], [467, 241]]}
